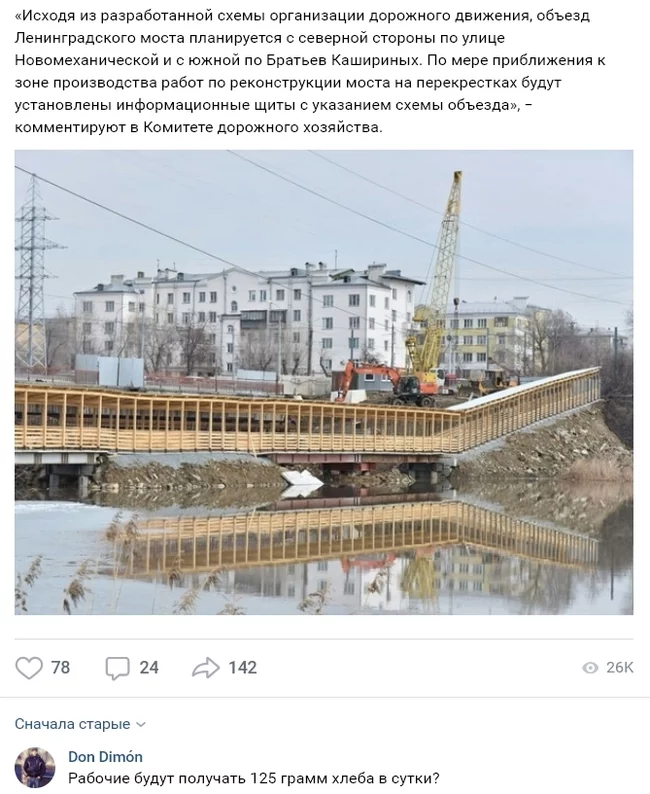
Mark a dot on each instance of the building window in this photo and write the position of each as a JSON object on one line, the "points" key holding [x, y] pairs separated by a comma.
{"points": [[213, 297], [170, 298], [468, 323], [467, 358], [409, 296], [230, 329], [322, 585], [354, 300], [131, 306], [394, 294], [279, 294], [252, 295], [110, 306], [386, 303], [328, 323], [326, 342], [393, 315], [327, 363], [212, 317], [108, 345], [477, 587], [386, 325], [233, 307], [371, 301], [186, 297], [501, 339], [109, 328], [296, 316], [371, 343], [87, 328], [348, 588], [481, 356], [371, 323], [201, 317], [141, 308], [229, 366], [201, 297], [353, 342], [500, 322], [230, 347], [296, 337], [186, 318], [322, 565], [86, 346], [157, 297], [386, 345], [468, 340], [453, 324], [291, 591], [297, 294], [481, 340], [263, 295], [441, 323], [213, 358], [170, 318], [463, 585], [481, 322], [213, 339], [355, 322], [369, 377], [328, 300], [87, 307]]}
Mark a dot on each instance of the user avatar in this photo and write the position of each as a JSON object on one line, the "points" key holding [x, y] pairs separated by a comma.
{"points": [[35, 767]]}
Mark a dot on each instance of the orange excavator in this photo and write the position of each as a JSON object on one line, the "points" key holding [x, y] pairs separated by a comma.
{"points": [[407, 389]]}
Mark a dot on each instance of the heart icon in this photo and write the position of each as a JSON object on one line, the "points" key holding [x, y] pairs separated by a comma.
{"points": [[29, 667]]}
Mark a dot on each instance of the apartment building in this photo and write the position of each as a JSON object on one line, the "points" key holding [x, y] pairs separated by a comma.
{"points": [[487, 331], [307, 319]]}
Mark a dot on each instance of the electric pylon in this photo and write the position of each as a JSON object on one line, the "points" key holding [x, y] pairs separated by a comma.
{"points": [[30, 315]]}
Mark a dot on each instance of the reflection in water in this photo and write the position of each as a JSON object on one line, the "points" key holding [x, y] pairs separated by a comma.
{"points": [[420, 555]]}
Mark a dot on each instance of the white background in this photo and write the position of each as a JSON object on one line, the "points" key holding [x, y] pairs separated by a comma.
{"points": [[594, 108]]}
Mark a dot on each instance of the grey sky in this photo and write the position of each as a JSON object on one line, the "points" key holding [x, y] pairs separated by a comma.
{"points": [[576, 205]]}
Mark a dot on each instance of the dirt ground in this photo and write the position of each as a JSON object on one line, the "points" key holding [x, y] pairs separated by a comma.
{"points": [[548, 451], [229, 475]]}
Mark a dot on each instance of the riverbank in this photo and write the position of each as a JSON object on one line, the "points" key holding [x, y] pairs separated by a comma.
{"points": [[556, 449]]}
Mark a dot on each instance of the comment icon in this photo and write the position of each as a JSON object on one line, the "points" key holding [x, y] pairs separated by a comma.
{"points": [[117, 667]]}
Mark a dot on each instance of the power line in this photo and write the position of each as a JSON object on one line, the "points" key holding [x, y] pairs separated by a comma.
{"points": [[463, 223], [414, 237], [270, 280]]}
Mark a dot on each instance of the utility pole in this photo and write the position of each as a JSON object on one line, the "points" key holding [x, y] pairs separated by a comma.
{"points": [[616, 343], [279, 366], [30, 316], [310, 328]]}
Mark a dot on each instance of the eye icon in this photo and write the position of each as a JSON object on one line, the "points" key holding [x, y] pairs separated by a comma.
{"points": [[590, 667]]}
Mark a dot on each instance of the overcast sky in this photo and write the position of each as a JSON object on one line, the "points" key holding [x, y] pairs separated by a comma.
{"points": [[575, 205]]}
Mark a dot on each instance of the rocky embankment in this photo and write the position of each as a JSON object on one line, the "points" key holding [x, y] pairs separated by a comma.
{"points": [[577, 447], [235, 476]]}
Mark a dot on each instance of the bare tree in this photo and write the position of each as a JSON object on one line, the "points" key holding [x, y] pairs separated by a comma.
{"points": [[369, 356], [60, 340], [194, 345], [258, 350], [161, 342]]}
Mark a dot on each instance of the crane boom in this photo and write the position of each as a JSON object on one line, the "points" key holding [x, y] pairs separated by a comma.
{"points": [[424, 352]]}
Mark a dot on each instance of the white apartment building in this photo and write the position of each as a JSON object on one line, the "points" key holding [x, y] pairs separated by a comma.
{"points": [[311, 319]]}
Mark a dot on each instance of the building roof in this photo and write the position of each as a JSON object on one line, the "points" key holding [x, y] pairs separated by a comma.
{"points": [[114, 288], [484, 307], [396, 275]]}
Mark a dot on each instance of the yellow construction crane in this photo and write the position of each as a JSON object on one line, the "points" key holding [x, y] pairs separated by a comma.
{"points": [[424, 348]]}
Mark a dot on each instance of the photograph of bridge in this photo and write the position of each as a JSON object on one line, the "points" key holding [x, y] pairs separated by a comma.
{"points": [[462, 454]]}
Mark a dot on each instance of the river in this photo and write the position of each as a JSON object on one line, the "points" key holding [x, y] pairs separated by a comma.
{"points": [[512, 549]]}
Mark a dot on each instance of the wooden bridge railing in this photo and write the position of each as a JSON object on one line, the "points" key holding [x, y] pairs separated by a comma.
{"points": [[204, 543], [61, 418]]}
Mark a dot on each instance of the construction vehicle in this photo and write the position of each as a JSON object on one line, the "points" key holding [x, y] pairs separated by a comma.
{"points": [[424, 348], [495, 378], [407, 389]]}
